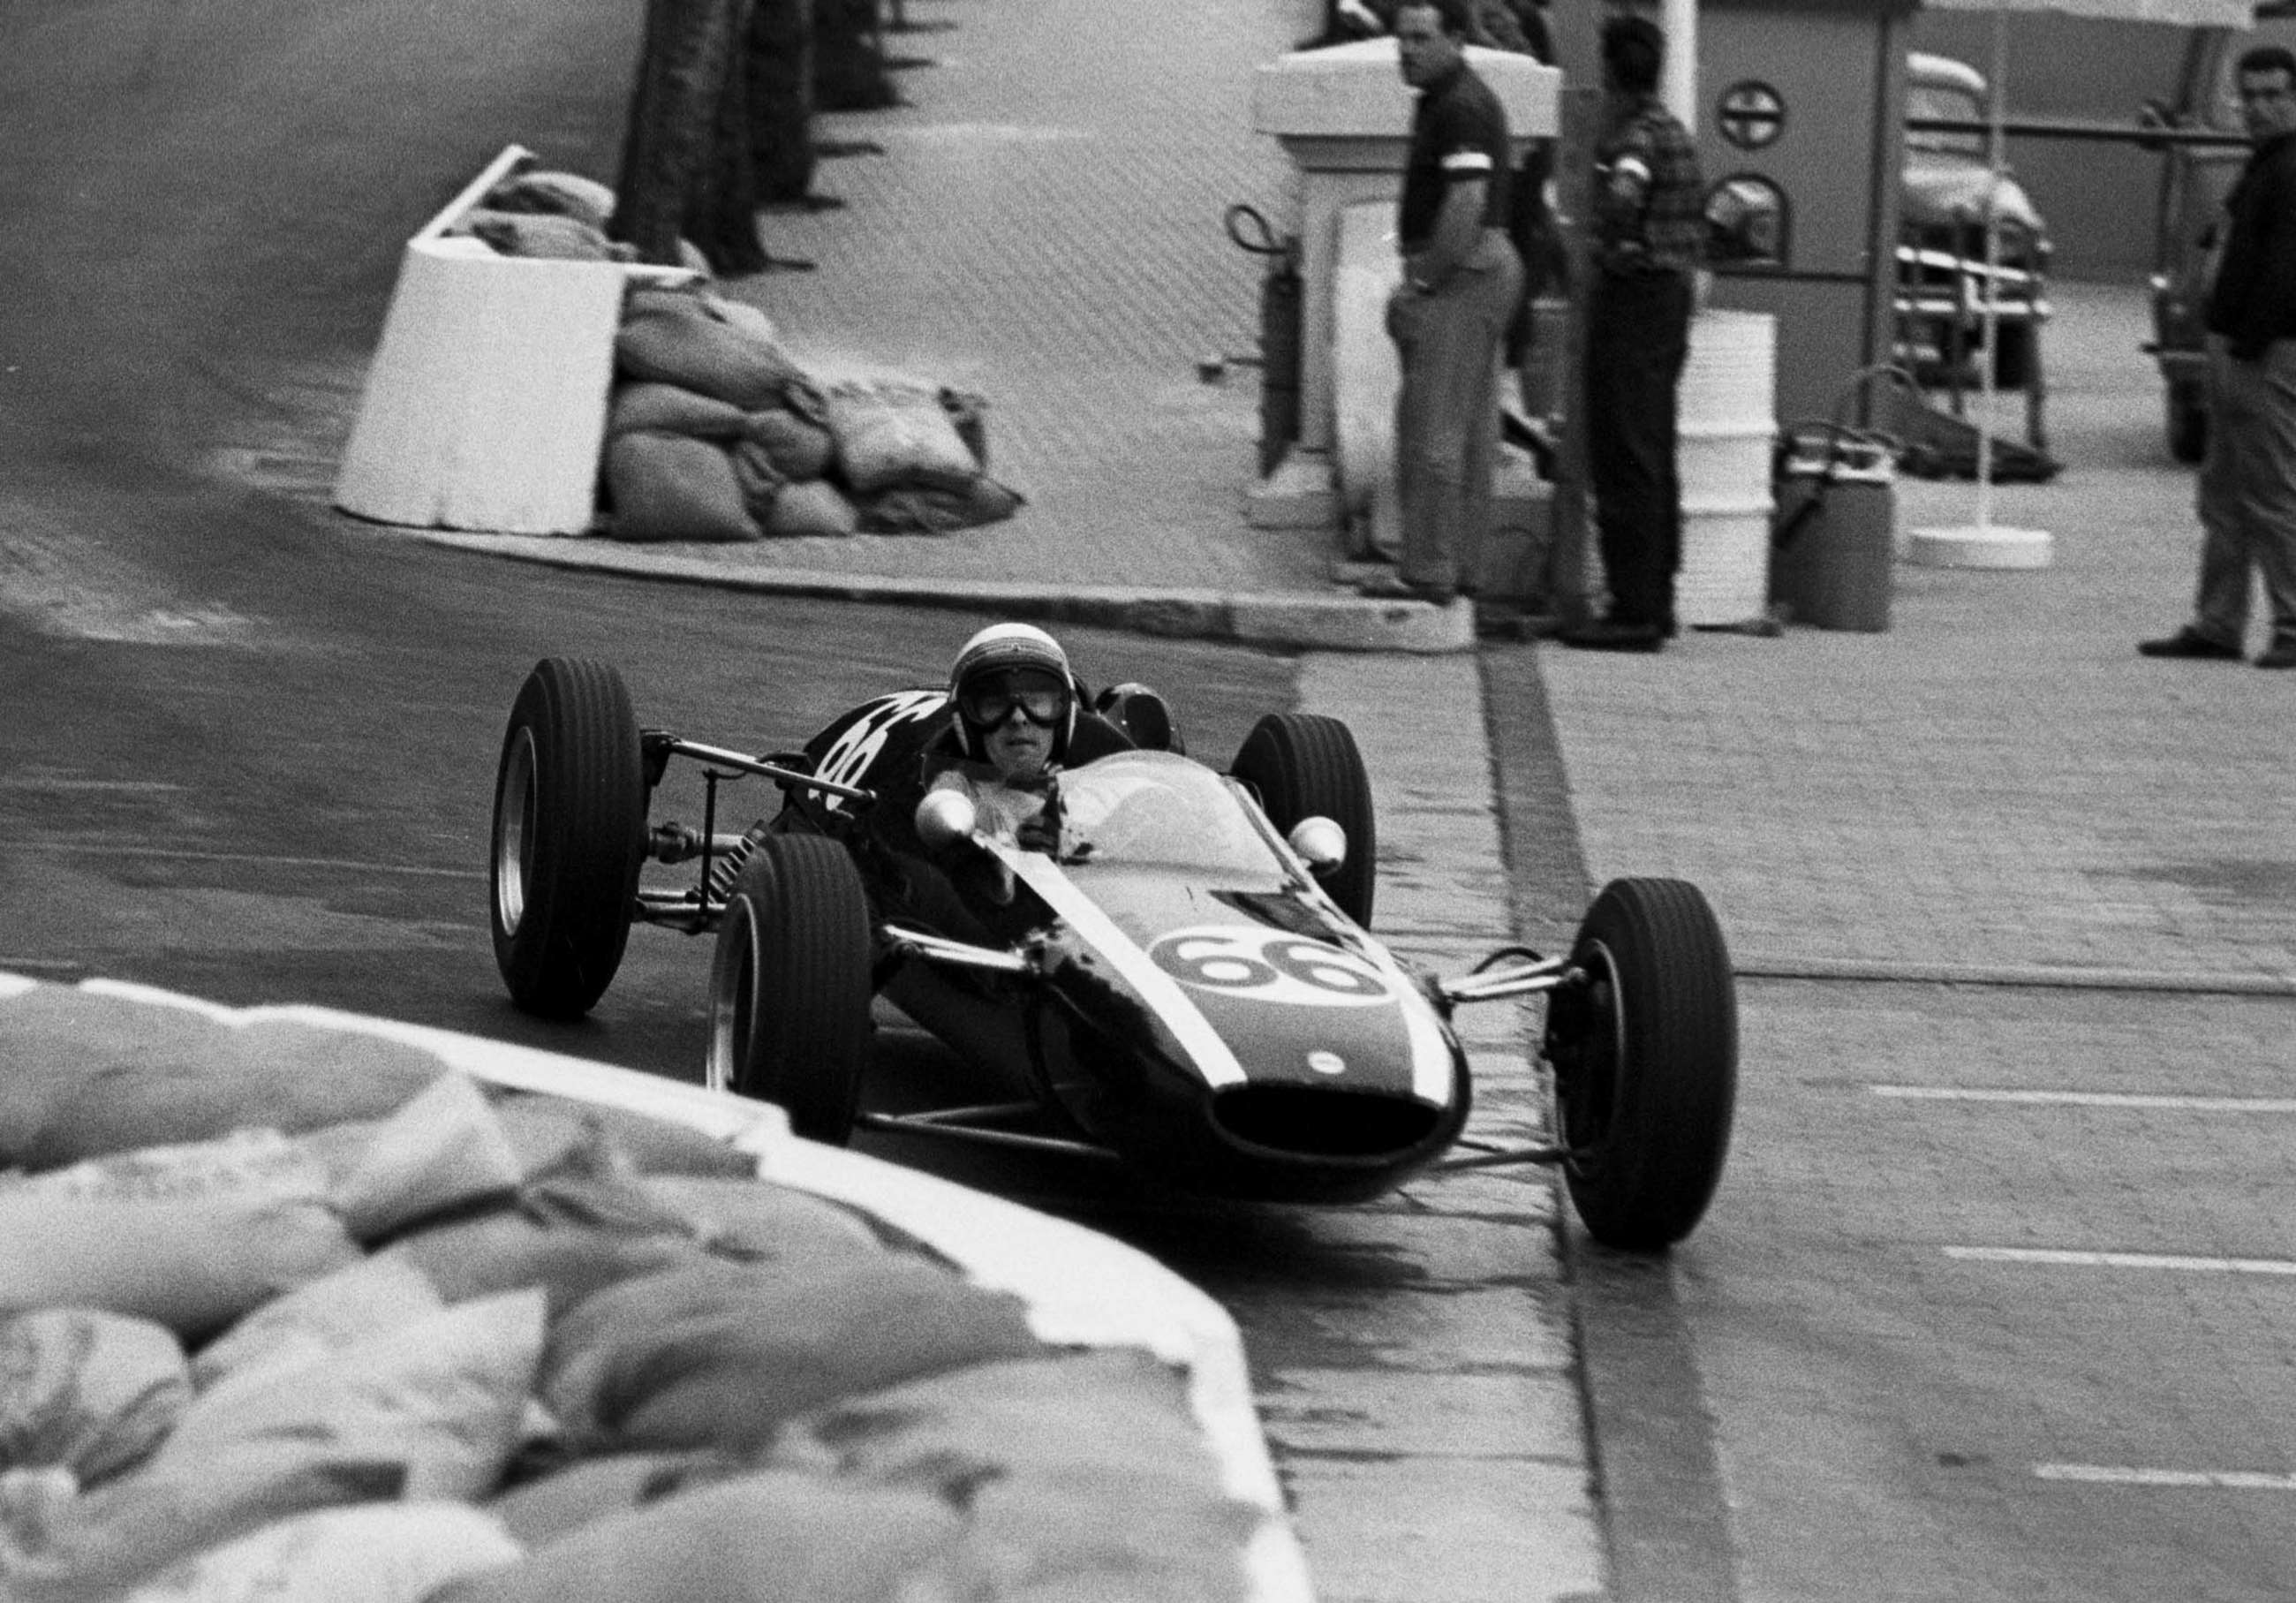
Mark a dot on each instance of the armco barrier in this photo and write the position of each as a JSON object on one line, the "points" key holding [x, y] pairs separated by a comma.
{"points": [[1081, 1288], [485, 407]]}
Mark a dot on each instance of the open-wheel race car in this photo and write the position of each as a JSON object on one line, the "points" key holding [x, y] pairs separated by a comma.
{"points": [[1174, 968]]}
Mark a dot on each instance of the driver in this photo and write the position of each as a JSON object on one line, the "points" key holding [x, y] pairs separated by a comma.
{"points": [[1014, 714]]}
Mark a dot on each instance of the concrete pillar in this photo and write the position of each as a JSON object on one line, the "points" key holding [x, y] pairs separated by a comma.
{"points": [[1343, 118]]}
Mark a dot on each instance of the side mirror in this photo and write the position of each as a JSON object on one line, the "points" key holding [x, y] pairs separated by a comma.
{"points": [[1320, 844], [945, 817]]}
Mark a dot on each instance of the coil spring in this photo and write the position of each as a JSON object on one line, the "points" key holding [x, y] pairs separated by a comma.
{"points": [[727, 868]]}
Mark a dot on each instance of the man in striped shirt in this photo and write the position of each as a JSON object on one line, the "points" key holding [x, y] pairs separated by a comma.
{"points": [[1649, 233], [1450, 314]]}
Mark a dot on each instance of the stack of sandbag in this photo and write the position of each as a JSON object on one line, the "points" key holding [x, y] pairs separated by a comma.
{"points": [[560, 216], [288, 1312], [715, 434]]}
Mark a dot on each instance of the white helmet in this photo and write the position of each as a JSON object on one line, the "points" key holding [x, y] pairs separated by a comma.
{"points": [[1003, 647]]}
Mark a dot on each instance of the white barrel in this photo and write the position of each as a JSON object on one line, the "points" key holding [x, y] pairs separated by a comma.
{"points": [[1726, 423]]}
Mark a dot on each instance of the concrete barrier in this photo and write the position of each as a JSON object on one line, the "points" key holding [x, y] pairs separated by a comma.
{"points": [[485, 407]]}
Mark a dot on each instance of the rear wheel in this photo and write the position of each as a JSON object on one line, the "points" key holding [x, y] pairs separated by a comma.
{"points": [[1304, 766], [788, 989], [1644, 1052], [2188, 423], [568, 837]]}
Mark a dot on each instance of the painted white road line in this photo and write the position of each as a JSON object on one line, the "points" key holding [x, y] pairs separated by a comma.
{"points": [[2127, 1475], [2162, 1102], [2083, 1260]]}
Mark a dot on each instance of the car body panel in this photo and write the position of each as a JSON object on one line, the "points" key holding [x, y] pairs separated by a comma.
{"points": [[1195, 1002], [1949, 280]]}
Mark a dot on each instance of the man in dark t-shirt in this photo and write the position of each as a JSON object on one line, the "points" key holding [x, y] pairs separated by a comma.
{"points": [[1448, 317]]}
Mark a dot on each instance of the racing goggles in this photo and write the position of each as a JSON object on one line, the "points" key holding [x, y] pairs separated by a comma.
{"points": [[991, 700]]}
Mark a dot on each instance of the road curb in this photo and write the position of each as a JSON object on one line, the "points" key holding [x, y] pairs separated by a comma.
{"points": [[1335, 621]]}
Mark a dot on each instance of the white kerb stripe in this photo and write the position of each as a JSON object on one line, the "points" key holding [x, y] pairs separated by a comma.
{"points": [[2067, 1259], [2129, 1475], [1197, 1037], [2161, 1102]]}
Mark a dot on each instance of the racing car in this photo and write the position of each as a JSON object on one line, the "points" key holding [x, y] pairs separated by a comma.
{"points": [[1177, 970]]}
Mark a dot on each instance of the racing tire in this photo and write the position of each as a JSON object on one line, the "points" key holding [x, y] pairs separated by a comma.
{"points": [[1645, 1054], [568, 837], [1304, 765], [790, 986], [2188, 423]]}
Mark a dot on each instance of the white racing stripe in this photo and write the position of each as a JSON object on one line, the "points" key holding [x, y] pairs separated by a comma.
{"points": [[1213, 1058], [2162, 1102], [2129, 1475], [2067, 1259]]}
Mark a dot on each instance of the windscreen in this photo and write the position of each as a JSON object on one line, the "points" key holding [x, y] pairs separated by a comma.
{"points": [[1155, 808]]}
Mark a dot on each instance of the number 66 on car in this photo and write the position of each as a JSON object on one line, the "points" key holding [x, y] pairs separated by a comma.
{"points": [[1178, 974]]}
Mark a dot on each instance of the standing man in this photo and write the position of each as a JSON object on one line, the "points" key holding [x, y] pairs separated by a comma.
{"points": [[1649, 227], [1449, 317], [2247, 496]]}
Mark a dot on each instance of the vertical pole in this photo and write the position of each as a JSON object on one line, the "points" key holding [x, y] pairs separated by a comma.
{"points": [[1997, 152]]}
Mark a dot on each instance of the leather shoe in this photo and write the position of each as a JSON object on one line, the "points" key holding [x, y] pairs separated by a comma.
{"points": [[1610, 635], [2189, 642], [2282, 654]]}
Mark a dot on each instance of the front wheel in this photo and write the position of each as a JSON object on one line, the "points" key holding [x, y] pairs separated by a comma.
{"points": [[1644, 1052], [1304, 765], [568, 837], [788, 989]]}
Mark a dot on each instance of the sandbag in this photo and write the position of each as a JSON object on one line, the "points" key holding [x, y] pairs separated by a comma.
{"points": [[443, 1396], [703, 342], [719, 1355], [58, 1545], [796, 447], [760, 481], [759, 1539], [562, 193], [968, 414], [90, 1074], [553, 1132], [1085, 1474], [668, 486], [754, 1222], [918, 509], [322, 1317], [671, 410], [570, 1237], [87, 1392], [249, 1164], [192, 1265], [443, 1149], [812, 509], [382, 1553], [560, 1503], [895, 431], [551, 238]]}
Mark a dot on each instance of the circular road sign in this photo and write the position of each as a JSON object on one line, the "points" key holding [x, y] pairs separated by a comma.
{"points": [[1751, 114]]}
